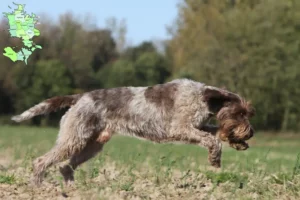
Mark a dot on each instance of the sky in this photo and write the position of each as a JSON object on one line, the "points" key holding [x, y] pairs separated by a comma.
{"points": [[145, 19]]}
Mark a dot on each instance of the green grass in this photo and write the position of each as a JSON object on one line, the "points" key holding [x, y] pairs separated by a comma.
{"points": [[270, 168], [8, 179]]}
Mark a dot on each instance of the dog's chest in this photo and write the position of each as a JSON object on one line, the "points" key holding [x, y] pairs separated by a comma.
{"points": [[201, 118]]}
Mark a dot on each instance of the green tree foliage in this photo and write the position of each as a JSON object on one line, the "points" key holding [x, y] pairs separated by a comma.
{"points": [[43, 80], [137, 66], [119, 73]]}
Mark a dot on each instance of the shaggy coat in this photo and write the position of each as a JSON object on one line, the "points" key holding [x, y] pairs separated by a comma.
{"points": [[177, 111]]}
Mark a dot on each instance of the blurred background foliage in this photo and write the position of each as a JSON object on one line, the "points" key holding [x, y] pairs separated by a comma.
{"points": [[251, 47]]}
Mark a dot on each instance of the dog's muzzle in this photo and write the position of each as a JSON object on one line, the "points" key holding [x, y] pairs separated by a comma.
{"points": [[250, 134], [243, 133]]}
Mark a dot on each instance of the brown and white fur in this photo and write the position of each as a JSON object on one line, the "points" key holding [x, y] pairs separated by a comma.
{"points": [[177, 111]]}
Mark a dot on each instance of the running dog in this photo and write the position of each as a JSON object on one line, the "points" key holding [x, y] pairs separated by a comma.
{"points": [[177, 111]]}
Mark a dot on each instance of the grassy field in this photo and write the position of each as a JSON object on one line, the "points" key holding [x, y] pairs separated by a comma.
{"points": [[132, 169]]}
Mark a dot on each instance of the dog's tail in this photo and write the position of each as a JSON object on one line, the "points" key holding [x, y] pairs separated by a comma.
{"points": [[48, 106]]}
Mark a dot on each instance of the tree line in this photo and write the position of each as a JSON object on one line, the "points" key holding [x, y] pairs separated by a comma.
{"points": [[250, 47]]}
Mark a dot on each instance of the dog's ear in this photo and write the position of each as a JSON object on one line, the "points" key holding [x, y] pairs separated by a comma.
{"points": [[218, 98]]}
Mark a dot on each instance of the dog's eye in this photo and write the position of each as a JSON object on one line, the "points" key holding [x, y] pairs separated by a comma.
{"points": [[242, 114]]}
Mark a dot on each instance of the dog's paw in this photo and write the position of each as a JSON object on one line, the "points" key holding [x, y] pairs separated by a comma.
{"points": [[35, 181], [215, 163], [239, 146], [68, 174]]}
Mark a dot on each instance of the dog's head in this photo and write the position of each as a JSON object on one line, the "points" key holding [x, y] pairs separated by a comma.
{"points": [[232, 112]]}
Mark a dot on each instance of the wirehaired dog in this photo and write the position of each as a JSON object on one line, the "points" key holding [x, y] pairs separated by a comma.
{"points": [[177, 111]]}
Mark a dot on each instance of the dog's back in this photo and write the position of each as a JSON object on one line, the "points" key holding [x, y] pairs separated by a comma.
{"points": [[145, 112], [140, 111]]}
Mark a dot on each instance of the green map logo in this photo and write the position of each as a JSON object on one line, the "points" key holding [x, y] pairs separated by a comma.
{"points": [[21, 25]]}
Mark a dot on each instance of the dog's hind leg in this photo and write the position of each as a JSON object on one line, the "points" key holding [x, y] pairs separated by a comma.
{"points": [[87, 153], [73, 137], [58, 153], [91, 149]]}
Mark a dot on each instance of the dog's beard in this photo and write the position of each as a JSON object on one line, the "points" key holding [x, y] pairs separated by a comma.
{"points": [[233, 130], [239, 145], [242, 132], [235, 143], [235, 134]]}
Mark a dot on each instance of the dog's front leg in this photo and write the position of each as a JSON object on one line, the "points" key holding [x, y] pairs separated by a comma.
{"points": [[205, 139]]}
